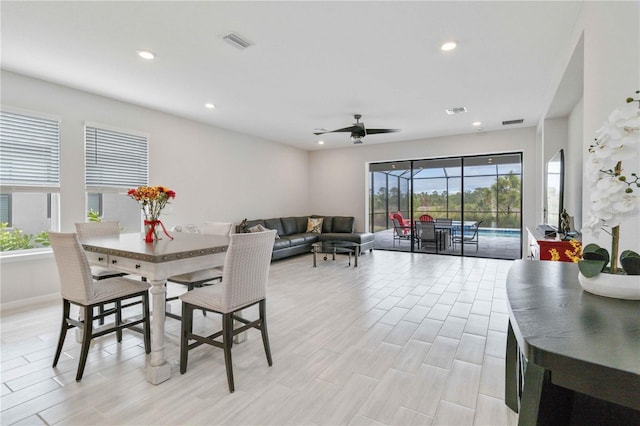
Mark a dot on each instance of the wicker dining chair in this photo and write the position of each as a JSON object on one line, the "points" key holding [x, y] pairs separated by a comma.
{"points": [[79, 288], [99, 229], [204, 276], [246, 273]]}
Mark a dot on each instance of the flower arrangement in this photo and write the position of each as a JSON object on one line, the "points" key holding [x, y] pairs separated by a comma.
{"points": [[615, 195], [152, 200]]}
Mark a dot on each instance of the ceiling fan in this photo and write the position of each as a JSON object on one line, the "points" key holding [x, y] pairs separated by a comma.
{"points": [[358, 131]]}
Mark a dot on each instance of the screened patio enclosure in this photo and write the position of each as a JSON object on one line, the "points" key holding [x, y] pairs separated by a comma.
{"points": [[473, 201]]}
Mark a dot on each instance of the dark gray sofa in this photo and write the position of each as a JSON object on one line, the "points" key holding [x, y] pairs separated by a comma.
{"points": [[294, 238]]}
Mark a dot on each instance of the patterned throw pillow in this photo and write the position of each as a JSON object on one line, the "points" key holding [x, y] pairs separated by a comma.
{"points": [[260, 228], [314, 225]]}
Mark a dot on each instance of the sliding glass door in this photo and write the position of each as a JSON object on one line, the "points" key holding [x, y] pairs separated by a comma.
{"points": [[468, 206]]}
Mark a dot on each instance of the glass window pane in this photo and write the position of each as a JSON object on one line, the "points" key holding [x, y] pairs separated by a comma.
{"points": [[31, 220]]}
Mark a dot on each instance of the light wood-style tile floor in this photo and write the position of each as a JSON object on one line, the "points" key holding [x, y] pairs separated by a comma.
{"points": [[405, 339]]}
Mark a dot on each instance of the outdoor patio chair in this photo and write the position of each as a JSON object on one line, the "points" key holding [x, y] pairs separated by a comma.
{"points": [[402, 220], [445, 222], [80, 289], [426, 233], [467, 237], [425, 218], [400, 232], [246, 274]]}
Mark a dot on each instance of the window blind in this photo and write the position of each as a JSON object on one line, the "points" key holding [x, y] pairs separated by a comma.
{"points": [[115, 159], [29, 151]]}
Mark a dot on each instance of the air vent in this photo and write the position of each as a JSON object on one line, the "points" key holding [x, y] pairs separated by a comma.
{"points": [[456, 110], [236, 41], [509, 122]]}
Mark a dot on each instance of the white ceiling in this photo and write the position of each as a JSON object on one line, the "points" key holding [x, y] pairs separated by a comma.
{"points": [[313, 64]]}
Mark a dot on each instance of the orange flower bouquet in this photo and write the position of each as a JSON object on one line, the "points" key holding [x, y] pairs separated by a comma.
{"points": [[152, 200]]}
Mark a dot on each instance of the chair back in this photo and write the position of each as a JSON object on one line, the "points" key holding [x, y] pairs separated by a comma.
{"points": [[444, 221], [426, 231], [217, 228], [475, 229], [425, 218], [398, 228], [246, 268], [400, 218], [97, 229], [187, 229], [76, 282]]}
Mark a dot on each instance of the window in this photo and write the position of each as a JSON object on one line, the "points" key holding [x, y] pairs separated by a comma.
{"points": [[29, 179], [115, 162]]}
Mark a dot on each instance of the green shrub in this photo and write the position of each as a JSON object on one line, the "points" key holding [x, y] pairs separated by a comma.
{"points": [[16, 239]]}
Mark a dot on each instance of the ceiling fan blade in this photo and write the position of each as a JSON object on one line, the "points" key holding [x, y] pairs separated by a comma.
{"points": [[346, 129], [374, 131]]}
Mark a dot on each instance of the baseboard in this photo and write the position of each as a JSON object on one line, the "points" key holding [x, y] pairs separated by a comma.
{"points": [[20, 305]]}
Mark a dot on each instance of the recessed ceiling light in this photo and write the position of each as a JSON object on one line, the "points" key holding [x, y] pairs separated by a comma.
{"points": [[321, 142], [477, 123], [209, 105], [449, 45], [146, 54]]}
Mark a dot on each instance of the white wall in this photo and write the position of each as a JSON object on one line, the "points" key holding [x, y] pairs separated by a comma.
{"points": [[554, 138], [611, 74], [339, 177], [217, 174], [573, 169]]}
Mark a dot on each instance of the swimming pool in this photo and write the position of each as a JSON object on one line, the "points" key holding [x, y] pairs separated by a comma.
{"points": [[500, 232]]}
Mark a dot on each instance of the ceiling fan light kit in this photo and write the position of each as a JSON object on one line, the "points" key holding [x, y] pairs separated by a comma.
{"points": [[357, 130]]}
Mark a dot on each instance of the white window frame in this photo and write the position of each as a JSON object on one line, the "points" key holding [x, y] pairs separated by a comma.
{"points": [[52, 188]]}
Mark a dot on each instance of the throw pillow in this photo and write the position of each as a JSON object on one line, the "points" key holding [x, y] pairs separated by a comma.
{"points": [[260, 228], [314, 225]]}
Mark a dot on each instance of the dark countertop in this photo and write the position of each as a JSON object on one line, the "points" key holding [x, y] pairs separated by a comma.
{"points": [[590, 343]]}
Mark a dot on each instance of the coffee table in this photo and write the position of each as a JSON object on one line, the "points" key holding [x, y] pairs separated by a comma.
{"points": [[333, 247]]}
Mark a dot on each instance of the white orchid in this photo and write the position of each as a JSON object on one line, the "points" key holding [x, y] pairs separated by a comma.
{"points": [[614, 191]]}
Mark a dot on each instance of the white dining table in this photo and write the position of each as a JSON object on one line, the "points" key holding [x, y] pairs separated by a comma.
{"points": [[156, 262]]}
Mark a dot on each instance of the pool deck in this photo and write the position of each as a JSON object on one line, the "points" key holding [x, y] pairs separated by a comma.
{"points": [[490, 246]]}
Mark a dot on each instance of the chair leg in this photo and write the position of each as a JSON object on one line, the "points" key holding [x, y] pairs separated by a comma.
{"points": [[227, 341], [186, 329], [101, 312], [86, 340], [263, 329], [147, 323], [119, 320], [63, 331]]}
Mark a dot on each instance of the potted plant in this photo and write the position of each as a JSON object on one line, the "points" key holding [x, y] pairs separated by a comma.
{"points": [[615, 196]]}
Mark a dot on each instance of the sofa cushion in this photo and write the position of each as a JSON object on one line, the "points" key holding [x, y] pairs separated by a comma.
{"points": [[314, 225], [355, 237], [301, 224], [310, 238], [281, 243], [327, 224], [289, 225], [343, 224], [274, 224], [296, 239]]}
